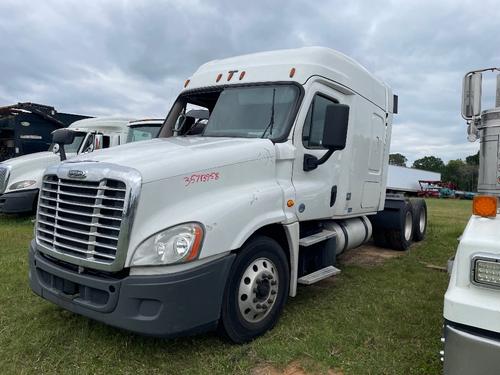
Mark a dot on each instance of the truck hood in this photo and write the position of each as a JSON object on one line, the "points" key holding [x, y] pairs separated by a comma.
{"points": [[30, 167], [161, 158]]}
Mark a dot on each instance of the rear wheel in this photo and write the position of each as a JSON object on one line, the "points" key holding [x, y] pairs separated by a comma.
{"points": [[256, 290], [400, 239], [419, 219]]}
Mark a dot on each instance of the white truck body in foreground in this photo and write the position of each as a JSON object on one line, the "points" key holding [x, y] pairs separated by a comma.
{"points": [[472, 301], [192, 231], [22, 176]]}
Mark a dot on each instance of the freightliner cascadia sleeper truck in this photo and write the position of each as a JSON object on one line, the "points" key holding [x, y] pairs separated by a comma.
{"points": [[215, 223]]}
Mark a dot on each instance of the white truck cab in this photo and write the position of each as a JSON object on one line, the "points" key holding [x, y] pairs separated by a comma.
{"points": [[472, 301], [217, 221], [21, 177]]}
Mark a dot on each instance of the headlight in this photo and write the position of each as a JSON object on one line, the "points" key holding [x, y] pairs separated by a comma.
{"points": [[178, 244], [486, 271], [22, 184]]}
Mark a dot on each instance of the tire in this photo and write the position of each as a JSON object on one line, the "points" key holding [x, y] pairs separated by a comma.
{"points": [[379, 237], [259, 277], [419, 219], [400, 239]]}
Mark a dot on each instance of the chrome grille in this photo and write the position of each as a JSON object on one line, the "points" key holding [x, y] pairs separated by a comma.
{"points": [[4, 178], [81, 218]]}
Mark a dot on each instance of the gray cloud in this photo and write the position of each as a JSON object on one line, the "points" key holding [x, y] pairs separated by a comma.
{"points": [[131, 57]]}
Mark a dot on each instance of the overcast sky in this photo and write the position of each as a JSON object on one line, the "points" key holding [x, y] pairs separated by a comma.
{"points": [[132, 57]]}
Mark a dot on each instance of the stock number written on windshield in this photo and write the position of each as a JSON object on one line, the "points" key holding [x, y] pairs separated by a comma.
{"points": [[202, 177]]}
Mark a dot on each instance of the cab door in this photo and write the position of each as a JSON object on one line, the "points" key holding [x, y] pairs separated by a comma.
{"points": [[316, 190]]}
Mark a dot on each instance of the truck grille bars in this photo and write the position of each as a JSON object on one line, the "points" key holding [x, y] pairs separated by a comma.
{"points": [[81, 219], [4, 178]]}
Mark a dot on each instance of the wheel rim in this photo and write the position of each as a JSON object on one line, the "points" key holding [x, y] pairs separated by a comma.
{"points": [[422, 222], [258, 290], [408, 226]]}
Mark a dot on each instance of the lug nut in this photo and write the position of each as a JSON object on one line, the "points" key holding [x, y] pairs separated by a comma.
{"points": [[258, 306], [255, 300], [270, 300], [273, 292], [273, 282]]}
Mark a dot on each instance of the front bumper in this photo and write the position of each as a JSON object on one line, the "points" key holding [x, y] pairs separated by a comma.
{"points": [[18, 202], [469, 351], [158, 305]]}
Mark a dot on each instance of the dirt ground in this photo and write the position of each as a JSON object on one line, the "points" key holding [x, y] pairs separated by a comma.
{"points": [[293, 368], [368, 255]]}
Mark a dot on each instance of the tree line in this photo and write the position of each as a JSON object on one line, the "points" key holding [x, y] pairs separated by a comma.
{"points": [[462, 173]]}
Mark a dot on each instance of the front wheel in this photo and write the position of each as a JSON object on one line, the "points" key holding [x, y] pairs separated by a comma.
{"points": [[256, 290]]}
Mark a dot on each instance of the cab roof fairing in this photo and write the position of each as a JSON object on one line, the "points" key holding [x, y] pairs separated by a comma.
{"points": [[275, 66]]}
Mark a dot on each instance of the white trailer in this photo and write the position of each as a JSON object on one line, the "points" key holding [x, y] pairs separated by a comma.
{"points": [[406, 180], [472, 301], [21, 177], [215, 223]]}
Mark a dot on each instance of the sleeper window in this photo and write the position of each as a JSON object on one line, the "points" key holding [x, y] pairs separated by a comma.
{"points": [[312, 132]]}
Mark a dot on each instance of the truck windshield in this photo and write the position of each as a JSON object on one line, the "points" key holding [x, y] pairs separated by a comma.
{"points": [[143, 132], [75, 146], [252, 112]]}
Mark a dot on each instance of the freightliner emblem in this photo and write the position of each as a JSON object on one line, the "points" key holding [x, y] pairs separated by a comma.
{"points": [[76, 173]]}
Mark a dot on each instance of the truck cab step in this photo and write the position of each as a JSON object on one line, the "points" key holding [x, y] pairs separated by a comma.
{"points": [[317, 237], [318, 275]]}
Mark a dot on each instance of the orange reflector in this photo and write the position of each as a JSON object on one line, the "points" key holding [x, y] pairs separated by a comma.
{"points": [[219, 76], [290, 203], [292, 72], [230, 75], [485, 205], [186, 83], [242, 74]]}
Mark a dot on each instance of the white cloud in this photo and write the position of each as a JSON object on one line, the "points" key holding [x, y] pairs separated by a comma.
{"points": [[131, 57]]}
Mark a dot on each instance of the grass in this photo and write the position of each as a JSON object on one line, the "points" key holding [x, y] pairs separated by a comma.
{"points": [[383, 319]]}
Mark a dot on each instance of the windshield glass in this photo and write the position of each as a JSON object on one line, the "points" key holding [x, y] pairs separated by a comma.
{"points": [[143, 132], [252, 112], [75, 146]]}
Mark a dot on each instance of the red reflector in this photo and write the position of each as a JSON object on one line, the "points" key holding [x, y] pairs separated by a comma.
{"points": [[242, 74], [292, 72], [219, 76]]}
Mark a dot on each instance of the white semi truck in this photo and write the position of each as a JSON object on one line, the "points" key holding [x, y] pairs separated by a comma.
{"points": [[215, 223], [21, 177], [472, 301]]}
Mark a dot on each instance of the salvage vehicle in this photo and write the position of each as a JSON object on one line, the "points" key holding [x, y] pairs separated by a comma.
{"points": [[215, 223], [472, 302], [26, 128], [21, 177]]}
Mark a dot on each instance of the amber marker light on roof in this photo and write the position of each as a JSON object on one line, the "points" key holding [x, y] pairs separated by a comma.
{"points": [[290, 203], [485, 205], [242, 74], [186, 83], [292, 72], [219, 76]]}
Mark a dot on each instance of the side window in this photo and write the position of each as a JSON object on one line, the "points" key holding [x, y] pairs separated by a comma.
{"points": [[106, 141], [312, 132]]}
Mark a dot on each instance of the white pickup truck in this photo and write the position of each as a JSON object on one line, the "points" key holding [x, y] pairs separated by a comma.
{"points": [[21, 177], [215, 223], [472, 301]]}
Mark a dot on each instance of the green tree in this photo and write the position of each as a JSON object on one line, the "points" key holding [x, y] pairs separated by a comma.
{"points": [[429, 163], [472, 159], [398, 159], [455, 172]]}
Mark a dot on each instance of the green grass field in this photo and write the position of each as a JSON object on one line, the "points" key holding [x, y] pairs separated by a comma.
{"points": [[371, 319]]}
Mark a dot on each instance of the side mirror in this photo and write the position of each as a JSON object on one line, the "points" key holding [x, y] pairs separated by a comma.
{"points": [[334, 134], [335, 128], [63, 137], [471, 95]]}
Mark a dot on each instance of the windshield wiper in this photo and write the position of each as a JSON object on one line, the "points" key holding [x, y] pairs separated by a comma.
{"points": [[271, 121]]}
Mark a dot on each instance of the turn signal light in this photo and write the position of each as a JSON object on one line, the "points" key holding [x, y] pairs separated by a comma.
{"points": [[219, 76], [485, 205], [292, 72], [186, 83]]}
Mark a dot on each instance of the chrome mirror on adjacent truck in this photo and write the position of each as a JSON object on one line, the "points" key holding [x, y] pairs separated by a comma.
{"points": [[334, 134], [63, 137], [471, 95]]}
